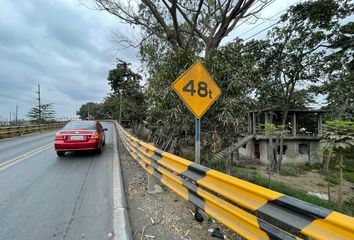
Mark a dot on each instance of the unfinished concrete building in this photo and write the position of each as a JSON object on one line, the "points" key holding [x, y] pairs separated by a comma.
{"points": [[301, 142]]}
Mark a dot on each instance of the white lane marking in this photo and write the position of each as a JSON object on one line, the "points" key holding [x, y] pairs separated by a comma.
{"points": [[20, 158], [121, 223]]}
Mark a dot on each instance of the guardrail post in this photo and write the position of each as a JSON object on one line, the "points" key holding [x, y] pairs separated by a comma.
{"points": [[153, 185]]}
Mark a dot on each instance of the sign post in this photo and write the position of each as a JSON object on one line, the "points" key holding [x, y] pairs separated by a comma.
{"points": [[197, 140], [198, 91]]}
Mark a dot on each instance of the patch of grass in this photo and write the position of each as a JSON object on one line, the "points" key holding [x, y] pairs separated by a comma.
{"points": [[310, 167], [349, 176], [256, 178], [334, 179], [290, 171], [349, 164]]}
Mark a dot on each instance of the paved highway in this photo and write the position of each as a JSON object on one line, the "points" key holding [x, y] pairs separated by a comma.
{"points": [[46, 197]]}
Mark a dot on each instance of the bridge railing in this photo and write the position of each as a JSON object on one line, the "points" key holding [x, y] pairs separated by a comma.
{"points": [[13, 131], [252, 211]]}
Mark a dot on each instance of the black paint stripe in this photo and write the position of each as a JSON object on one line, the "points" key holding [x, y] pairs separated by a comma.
{"points": [[191, 187], [156, 157], [159, 152], [196, 200], [302, 207], [274, 232], [157, 174], [195, 172], [285, 215], [154, 165]]}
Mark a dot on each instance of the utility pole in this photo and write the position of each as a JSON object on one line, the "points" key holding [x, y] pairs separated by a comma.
{"points": [[16, 116], [39, 103], [120, 108], [10, 119]]}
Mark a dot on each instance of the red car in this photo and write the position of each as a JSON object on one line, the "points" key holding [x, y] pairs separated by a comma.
{"points": [[80, 135]]}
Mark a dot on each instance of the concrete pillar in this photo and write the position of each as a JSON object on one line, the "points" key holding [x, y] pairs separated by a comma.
{"points": [[294, 125], [249, 123], [319, 119], [254, 123], [153, 185]]}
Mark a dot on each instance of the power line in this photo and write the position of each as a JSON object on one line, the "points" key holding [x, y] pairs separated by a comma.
{"points": [[268, 26], [15, 98], [265, 22], [245, 20], [261, 31]]}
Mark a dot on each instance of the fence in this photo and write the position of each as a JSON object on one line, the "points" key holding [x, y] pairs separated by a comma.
{"points": [[252, 211], [13, 131]]}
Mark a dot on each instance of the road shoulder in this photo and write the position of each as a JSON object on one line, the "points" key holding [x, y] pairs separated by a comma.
{"points": [[121, 223], [164, 215]]}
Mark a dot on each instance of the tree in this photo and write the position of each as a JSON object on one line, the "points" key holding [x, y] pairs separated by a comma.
{"points": [[126, 84], [330, 22], [290, 63], [44, 114], [179, 22], [91, 111], [338, 136], [224, 121]]}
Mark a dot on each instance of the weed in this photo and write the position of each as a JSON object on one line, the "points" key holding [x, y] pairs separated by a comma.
{"points": [[349, 176], [290, 171], [209, 220], [334, 179]]}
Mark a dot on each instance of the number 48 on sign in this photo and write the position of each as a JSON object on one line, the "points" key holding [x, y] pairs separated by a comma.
{"points": [[197, 89]]}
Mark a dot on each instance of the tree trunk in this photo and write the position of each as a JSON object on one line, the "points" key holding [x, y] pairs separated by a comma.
{"points": [[327, 160], [340, 189], [275, 154], [228, 164], [270, 158]]}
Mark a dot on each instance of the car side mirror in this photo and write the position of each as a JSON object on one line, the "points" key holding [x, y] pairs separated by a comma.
{"points": [[105, 129]]}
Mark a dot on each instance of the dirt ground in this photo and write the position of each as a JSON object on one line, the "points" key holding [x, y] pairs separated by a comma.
{"points": [[164, 215], [311, 181]]}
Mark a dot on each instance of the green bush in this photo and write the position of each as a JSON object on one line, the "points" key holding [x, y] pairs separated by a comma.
{"points": [[349, 176]]}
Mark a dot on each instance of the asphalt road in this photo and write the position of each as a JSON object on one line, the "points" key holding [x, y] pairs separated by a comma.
{"points": [[46, 197]]}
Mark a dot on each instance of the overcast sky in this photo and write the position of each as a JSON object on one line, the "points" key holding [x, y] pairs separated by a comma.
{"points": [[67, 49]]}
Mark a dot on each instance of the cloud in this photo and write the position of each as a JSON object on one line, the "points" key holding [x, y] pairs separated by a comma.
{"points": [[60, 44]]}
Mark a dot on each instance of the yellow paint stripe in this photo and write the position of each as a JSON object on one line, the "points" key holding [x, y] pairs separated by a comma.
{"points": [[239, 191], [173, 166], [231, 216], [177, 188], [334, 226], [176, 159]]}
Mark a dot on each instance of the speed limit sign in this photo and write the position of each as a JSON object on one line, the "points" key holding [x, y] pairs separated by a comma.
{"points": [[197, 89]]}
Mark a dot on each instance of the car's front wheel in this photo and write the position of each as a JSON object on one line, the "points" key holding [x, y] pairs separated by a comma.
{"points": [[60, 153]]}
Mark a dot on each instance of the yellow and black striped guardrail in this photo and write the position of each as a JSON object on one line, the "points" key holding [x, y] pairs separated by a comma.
{"points": [[13, 131], [244, 207]]}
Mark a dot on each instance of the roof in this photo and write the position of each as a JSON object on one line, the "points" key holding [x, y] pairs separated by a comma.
{"points": [[291, 111]]}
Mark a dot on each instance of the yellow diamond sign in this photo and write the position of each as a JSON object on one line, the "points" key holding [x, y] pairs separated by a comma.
{"points": [[197, 89]]}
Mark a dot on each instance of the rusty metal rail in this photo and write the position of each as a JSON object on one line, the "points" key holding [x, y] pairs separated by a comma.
{"points": [[252, 211], [13, 131]]}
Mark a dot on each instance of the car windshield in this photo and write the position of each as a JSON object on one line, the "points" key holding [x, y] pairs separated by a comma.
{"points": [[80, 126]]}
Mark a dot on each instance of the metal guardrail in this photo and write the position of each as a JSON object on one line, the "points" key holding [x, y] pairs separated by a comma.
{"points": [[248, 209], [13, 131]]}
